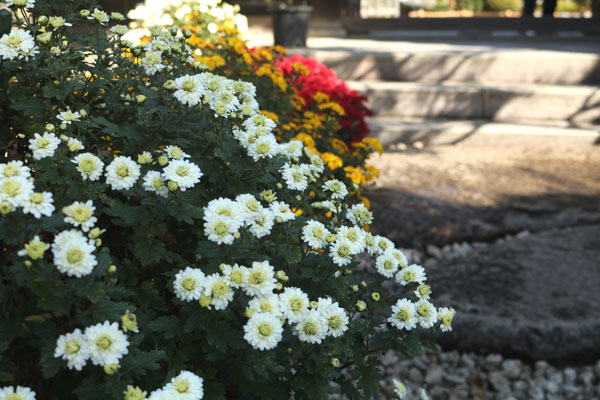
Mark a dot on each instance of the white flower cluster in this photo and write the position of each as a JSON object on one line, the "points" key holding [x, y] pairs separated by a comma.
{"points": [[17, 44], [17, 191], [74, 253], [16, 393], [223, 218], [102, 344], [267, 311], [185, 386]]}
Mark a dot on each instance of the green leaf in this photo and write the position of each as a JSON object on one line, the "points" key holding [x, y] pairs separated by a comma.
{"points": [[138, 362], [167, 325]]}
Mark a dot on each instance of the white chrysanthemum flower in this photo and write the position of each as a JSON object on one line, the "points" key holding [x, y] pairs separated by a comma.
{"points": [[225, 208], [371, 244], [258, 120], [353, 235], [244, 137], [386, 265], [400, 257], [35, 249], [64, 237], [261, 279], [262, 222], [294, 303], [81, 214], [224, 102], [217, 288], [383, 244], [236, 275], [106, 342], [119, 29], [73, 348], [294, 177], [58, 21], [315, 234], [75, 257], [337, 188], [154, 182], [341, 252], [264, 147], [44, 145], [185, 386], [159, 394], [404, 315], [249, 106], [318, 165], [175, 153], [399, 389], [16, 190], [263, 331], [332, 206], [17, 44], [423, 292], [89, 166], [66, 117], [292, 149], [446, 315], [249, 206], [244, 89], [358, 214], [336, 317], [75, 144], [122, 173], [189, 89], [220, 229], [266, 304], [16, 393], [23, 3], [14, 168], [312, 327], [426, 313], [282, 211], [100, 16], [186, 174], [39, 204], [189, 284], [410, 274], [152, 62]]}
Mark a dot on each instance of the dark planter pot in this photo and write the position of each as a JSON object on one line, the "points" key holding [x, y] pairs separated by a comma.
{"points": [[290, 25]]}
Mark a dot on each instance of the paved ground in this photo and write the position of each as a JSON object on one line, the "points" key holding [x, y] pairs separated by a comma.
{"points": [[534, 296]]}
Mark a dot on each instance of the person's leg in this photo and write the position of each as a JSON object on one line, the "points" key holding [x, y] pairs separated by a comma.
{"points": [[528, 7], [549, 7]]}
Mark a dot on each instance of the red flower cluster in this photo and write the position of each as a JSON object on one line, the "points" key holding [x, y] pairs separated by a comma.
{"points": [[321, 78]]}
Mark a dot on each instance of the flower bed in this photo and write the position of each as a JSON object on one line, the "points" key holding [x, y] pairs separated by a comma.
{"points": [[158, 242]]}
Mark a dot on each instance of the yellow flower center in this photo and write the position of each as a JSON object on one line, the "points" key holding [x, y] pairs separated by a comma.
{"points": [[104, 343], [256, 278], [182, 386], [220, 228], [123, 171], [266, 307], [14, 396], [402, 315], [237, 277], [409, 275], [176, 153], [81, 214], [447, 320], [352, 235], [11, 188], [263, 148], [265, 329], [423, 310], [424, 290], [72, 347], [68, 116], [220, 289], [14, 41], [182, 170], [309, 328], [296, 304], [36, 198], [87, 165], [74, 256], [35, 250], [11, 170], [297, 176], [158, 184], [189, 284], [5, 207], [388, 264], [318, 232], [344, 250], [188, 86], [335, 322]]}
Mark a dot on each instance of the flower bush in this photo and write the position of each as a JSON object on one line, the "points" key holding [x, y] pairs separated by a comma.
{"points": [[331, 121], [158, 242]]}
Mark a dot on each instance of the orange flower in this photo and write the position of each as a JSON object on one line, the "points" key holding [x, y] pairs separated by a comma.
{"points": [[375, 144], [332, 161], [355, 175], [339, 145], [270, 115]]}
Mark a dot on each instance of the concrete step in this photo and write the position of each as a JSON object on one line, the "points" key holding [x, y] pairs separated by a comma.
{"points": [[398, 133], [478, 101], [569, 63]]}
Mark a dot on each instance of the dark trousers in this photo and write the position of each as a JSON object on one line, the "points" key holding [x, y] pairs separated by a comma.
{"points": [[529, 6]]}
